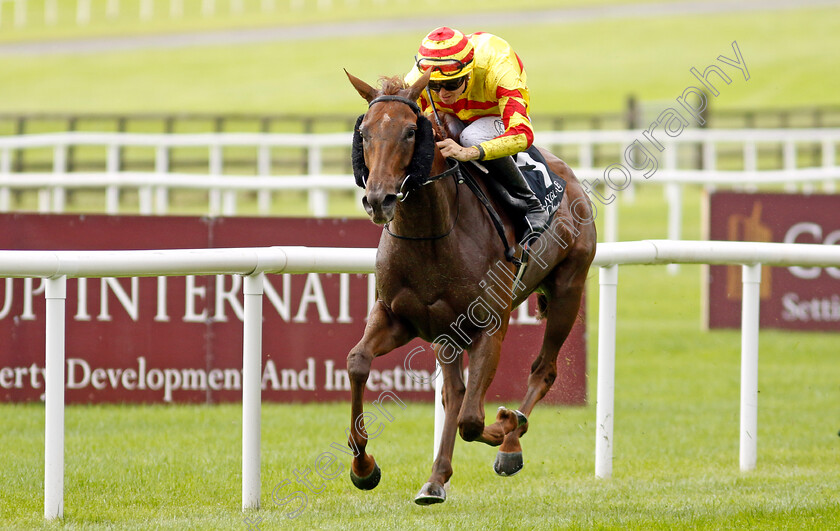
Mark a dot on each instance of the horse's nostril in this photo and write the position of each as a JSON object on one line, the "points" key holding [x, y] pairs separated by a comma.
{"points": [[390, 201], [380, 207]]}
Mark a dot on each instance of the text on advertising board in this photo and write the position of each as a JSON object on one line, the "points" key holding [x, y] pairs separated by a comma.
{"points": [[797, 298], [180, 338]]}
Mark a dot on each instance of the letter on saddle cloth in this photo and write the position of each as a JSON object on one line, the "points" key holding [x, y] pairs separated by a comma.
{"points": [[546, 185]]}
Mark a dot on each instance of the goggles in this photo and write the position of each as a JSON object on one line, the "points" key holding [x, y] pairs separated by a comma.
{"points": [[446, 67], [450, 84]]}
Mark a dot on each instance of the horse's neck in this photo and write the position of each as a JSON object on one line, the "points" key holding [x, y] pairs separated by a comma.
{"points": [[430, 210]]}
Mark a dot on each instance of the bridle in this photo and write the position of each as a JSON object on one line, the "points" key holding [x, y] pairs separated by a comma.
{"points": [[454, 170], [420, 175], [454, 165]]}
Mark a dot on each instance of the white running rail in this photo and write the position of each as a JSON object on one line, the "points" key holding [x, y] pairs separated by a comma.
{"points": [[254, 263]]}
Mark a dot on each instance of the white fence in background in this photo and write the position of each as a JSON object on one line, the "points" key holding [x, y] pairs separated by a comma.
{"points": [[254, 263], [222, 188], [709, 141], [84, 12], [154, 187]]}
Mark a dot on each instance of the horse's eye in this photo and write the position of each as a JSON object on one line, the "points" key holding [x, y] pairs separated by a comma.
{"points": [[409, 135]]}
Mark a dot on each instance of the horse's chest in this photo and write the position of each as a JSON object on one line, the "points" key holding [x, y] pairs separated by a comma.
{"points": [[410, 302], [429, 317], [426, 303]]}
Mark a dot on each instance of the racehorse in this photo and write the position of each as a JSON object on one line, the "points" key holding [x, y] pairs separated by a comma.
{"points": [[432, 263]]}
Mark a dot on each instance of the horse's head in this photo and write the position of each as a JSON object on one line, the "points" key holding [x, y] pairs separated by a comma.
{"points": [[393, 144]]}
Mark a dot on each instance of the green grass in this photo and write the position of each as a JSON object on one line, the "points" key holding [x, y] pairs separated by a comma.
{"points": [[676, 456], [676, 444], [676, 440], [587, 66]]}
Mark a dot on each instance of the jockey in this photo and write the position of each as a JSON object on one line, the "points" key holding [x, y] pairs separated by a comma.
{"points": [[480, 79]]}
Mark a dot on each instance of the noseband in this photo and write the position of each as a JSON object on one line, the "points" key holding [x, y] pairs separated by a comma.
{"points": [[419, 168]]}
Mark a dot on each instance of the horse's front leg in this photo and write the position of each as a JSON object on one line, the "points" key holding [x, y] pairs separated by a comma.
{"points": [[453, 395], [384, 332]]}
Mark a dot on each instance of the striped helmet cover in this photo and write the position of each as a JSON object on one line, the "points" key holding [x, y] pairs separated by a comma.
{"points": [[448, 52]]}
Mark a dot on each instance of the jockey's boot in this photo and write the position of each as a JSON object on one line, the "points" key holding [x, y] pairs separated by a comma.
{"points": [[508, 175]]}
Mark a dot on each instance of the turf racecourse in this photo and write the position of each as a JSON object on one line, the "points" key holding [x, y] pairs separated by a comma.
{"points": [[676, 445]]}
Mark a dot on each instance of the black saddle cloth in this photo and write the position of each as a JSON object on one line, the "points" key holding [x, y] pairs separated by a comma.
{"points": [[547, 186]]}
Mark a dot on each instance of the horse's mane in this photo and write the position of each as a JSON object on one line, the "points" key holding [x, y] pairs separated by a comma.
{"points": [[392, 85]]}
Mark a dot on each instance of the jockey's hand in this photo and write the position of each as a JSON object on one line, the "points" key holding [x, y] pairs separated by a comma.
{"points": [[451, 149]]}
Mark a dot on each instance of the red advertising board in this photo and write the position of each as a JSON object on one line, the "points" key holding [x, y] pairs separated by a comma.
{"points": [[179, 339], [796, 298]]}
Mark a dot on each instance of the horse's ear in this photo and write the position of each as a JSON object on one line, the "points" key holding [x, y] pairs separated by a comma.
{"points": [[365, 90], [419, 86]]}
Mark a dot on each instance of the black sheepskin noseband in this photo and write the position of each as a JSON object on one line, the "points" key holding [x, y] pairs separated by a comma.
{"points": [[421, 163], [357, 156]]}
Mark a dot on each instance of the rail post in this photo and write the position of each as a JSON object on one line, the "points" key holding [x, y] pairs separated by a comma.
{"points": [[674, 197], [54, 200], [5, 169], [216, 167], [56, 295], [112, 167], [605, 401], [440, 414], [318, 199], [829, 155], [751, 279], [161, 167], [264, 169], [251, 392]]}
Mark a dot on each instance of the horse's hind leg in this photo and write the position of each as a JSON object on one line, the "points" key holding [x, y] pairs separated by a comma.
{"points": [[453, 395], [484, 359], [563, 304], [383, 334]]}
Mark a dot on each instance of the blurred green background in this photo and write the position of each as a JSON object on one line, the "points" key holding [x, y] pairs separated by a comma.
{"points": [[583, 64]]}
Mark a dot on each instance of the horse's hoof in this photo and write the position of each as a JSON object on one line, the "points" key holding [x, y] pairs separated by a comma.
{"points": [[370, 481], [431, 493], [508, 463]]}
